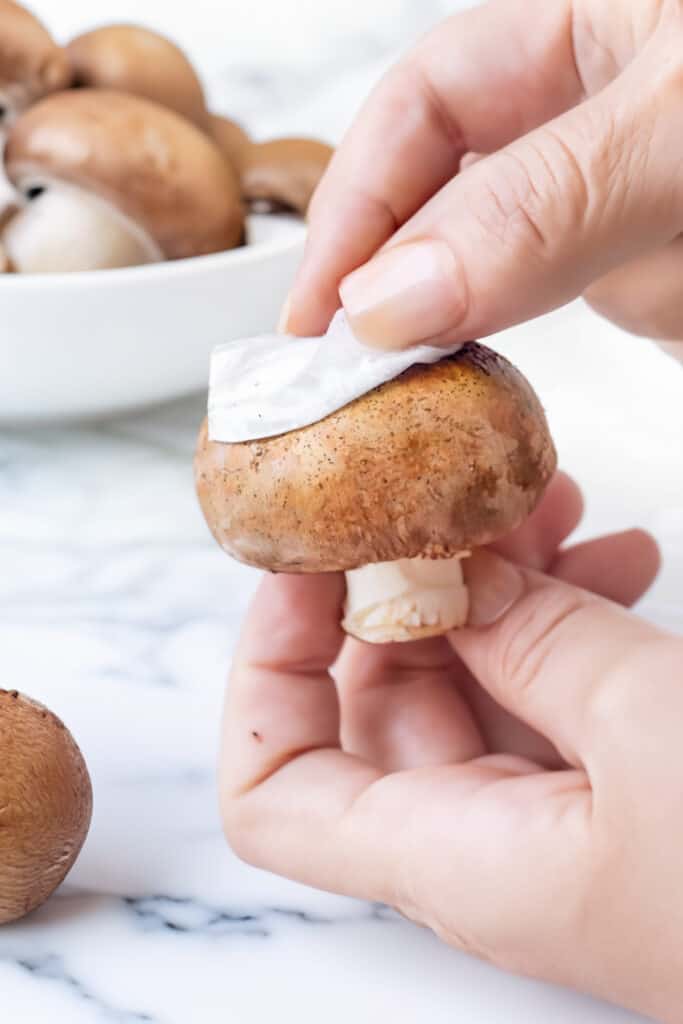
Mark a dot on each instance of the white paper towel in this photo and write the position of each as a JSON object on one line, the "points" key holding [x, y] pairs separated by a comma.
{"points": [[271, 384]]}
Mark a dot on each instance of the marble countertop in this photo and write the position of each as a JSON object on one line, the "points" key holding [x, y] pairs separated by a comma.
{"points": [[117, 610]]}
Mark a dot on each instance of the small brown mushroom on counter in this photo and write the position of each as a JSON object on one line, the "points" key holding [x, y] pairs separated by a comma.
{"points": [[283, 173], [395, 489], [31, 63], [136, 60], [45, 804], [111, 180]]}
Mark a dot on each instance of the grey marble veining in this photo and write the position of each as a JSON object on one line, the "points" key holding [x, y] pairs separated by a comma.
{"points": [[117, 610]]}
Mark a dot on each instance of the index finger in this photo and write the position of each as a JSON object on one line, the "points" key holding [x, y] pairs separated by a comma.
{"points": [[475, 83]]}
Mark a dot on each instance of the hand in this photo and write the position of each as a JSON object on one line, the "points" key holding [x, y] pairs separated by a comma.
{"points": [[531, 817], [577, 109]]}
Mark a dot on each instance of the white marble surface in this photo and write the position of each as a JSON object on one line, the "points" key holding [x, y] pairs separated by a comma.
{"points": [[117, 610]]}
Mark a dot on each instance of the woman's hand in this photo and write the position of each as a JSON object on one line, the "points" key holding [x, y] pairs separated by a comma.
{"points": [[517, 786], [580, 108]]}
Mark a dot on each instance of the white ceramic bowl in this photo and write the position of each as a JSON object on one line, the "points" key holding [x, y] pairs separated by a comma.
{"points": [[91, 344]]}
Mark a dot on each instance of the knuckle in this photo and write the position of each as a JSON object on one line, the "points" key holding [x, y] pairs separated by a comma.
{"points": [[507, 204], [532, 194], [534, 632]]}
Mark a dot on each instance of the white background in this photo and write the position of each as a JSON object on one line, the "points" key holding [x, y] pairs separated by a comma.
{"points": [[294, 65]]}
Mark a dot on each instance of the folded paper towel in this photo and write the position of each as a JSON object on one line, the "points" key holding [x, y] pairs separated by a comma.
{"points": [[274, 383]]}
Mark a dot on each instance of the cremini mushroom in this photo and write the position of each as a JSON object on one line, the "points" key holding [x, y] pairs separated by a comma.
{"points": [[231, 138], [283, 173], [5, 265], [279, 174], [394, 488], [136, 60], [45, 804], [111, 180], [31, 63]]}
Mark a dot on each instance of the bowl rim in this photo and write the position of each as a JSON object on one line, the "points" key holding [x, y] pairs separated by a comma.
{"points": [[281, 242]]}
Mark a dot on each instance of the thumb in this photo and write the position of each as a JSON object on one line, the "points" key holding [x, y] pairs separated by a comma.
{"points": [[528, 228], [551, 653]]}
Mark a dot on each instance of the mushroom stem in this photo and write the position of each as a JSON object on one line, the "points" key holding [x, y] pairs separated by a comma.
{"points": [[67, 229], [405, 600]]}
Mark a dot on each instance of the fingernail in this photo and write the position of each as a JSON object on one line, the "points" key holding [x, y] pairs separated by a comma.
{"points": [[283, 322], [494, 585], [405, 295]]}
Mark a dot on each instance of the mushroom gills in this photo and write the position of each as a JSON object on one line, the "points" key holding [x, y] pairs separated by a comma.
{"points": [[64, 228], [405, 600]]}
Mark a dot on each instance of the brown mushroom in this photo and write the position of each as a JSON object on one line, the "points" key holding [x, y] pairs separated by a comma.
{"points": [[280, 174], [112, 180], [132, 59], [231, 138], [31, 63], [283, 173], [394, 489], [45, 804]]}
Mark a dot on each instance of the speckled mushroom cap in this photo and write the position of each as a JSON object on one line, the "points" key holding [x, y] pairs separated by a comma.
{"points": [[442, 459], [31, 63], [132, 59], [45, 804], [150, 163], [284, 172]]}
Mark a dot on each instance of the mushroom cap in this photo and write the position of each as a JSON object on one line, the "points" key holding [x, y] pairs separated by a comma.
{"points": [[151, 164], [231, 138], [284, 172], [439, 460], [45, 804], [132, 59], [30, 60]]}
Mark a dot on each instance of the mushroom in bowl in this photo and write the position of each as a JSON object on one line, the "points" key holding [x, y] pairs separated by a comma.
{"points": [[136, 60], [31, 63], [276, 174], [394, 488], [282, 174], [111, 180], [45, 804]]}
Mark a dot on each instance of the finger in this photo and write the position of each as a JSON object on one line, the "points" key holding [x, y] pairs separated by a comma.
{"points": [[294, 803], [281, 698], [476, 82], [528, 228], [645, 295], [284, 782], [401, 706], [410, 705], [551, 651], [620, 567], [536, 541]]}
